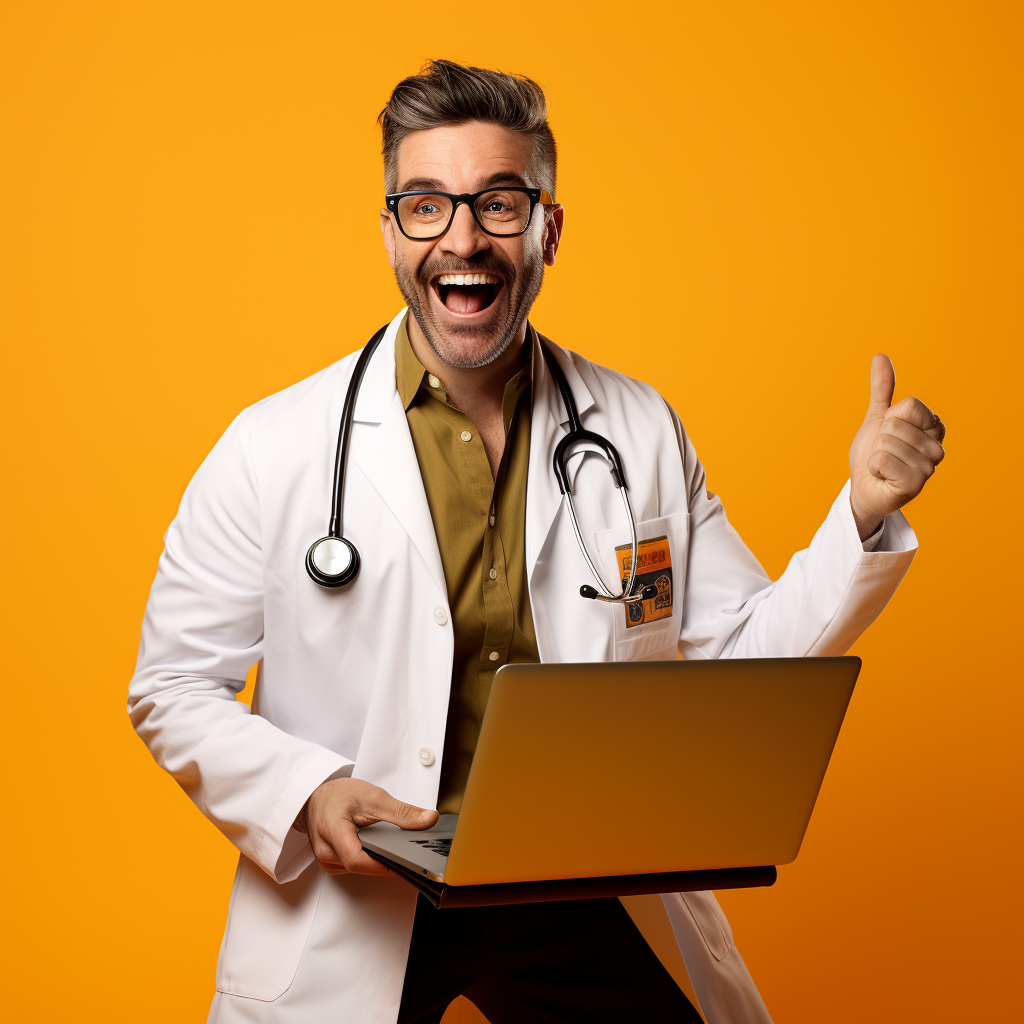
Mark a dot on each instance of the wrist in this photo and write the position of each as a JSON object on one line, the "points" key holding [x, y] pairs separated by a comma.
{"points": [[301, 822], [866, 522]]}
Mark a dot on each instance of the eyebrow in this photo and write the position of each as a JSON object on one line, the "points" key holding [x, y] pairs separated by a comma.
{"points": [[432, 184], [418, 184]]}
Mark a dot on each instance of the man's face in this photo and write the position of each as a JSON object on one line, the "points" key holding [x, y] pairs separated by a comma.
{"points": [[470, 325]]}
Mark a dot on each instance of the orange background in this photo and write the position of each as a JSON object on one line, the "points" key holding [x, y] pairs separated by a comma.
{"points": [[758, 197]]}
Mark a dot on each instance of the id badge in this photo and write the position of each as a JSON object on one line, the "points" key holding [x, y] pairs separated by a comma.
{"points": [[653, 567]]}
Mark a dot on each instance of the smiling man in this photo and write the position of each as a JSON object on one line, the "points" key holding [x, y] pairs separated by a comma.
{"points": [[375, 674]]}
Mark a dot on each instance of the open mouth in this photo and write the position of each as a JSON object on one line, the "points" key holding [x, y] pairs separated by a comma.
{"points": [[465, 294]]}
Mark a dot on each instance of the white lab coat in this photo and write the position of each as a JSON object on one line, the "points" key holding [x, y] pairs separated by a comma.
{"points": [[357, 679]]}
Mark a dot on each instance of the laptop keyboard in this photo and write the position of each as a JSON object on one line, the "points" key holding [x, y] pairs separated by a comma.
{"points": [[441, 846]]}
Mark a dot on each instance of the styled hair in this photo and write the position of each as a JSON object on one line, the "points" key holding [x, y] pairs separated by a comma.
{"points": [[446, 93]]}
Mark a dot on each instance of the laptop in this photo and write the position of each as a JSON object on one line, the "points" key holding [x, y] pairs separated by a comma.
{"points": [[628, 777]]}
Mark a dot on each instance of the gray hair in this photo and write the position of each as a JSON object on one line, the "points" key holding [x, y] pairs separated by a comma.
{"points": [[446, 93]]}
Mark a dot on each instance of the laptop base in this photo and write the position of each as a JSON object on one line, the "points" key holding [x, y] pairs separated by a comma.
{"points": [[443, 896]]}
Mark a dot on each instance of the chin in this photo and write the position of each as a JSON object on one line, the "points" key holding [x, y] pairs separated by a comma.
{"points": [[468, 340], [468, 347]]}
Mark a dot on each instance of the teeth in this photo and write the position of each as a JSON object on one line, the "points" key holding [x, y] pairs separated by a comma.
{"points": [[467, 279]]}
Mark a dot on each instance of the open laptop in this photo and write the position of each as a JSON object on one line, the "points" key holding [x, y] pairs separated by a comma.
{"points": [[623, 771]]}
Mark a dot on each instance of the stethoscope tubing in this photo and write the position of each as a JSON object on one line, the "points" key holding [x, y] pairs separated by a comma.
{"points": [[577, 435], [627, 594], [321, 562], [345, 432]]}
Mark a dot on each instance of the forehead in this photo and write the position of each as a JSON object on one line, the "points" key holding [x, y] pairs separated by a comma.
{"points": [[464, 157]]}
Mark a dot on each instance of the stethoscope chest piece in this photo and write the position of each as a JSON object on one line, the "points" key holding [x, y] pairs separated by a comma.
{"points": [[332, 561]]}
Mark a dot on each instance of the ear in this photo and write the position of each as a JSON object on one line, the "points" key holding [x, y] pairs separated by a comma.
{"points": [[387, 229], [552, 233]]}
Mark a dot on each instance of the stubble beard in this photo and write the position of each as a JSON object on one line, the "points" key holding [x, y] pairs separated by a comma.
{"points": [[414, 284]]}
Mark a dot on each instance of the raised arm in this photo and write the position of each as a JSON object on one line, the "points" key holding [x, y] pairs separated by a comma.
{"points": [[834, 589]]}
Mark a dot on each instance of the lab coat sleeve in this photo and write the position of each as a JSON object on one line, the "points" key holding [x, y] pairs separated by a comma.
{"points": [[203, 630], [828, 595]]}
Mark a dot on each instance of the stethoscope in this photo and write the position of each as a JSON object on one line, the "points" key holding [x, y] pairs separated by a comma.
{"points": [[333, 561]]}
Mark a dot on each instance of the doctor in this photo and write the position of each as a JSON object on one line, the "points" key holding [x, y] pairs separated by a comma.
{"points": [[370, 695]]}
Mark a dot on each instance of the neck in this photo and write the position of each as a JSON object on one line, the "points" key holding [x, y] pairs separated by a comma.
{"points": [[476, 391]]}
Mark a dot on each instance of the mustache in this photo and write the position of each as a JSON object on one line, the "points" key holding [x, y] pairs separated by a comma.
{"points": [[453, 265]]}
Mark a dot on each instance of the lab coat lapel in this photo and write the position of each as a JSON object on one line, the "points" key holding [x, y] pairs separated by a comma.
{"points": [[388, 458], [549, 424]]}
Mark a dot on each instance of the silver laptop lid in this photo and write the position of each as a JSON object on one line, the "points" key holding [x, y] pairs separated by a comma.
{"points": [[635, 768]]}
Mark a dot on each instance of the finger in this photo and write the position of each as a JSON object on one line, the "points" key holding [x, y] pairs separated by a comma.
{"points": [[938, 431], [327, 857], [915, 437], [902, 481], [905, 469], [349, 855], [914, 411], [883, 383]]}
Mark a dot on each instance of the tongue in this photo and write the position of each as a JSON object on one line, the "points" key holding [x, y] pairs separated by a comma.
{"points": [[468, 298]]}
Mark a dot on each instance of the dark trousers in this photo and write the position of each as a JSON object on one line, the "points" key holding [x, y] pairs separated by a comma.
{"points": [[578, 961]]}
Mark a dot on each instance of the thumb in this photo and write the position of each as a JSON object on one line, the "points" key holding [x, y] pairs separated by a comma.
{"points": [[410, 816], [883, 384]]}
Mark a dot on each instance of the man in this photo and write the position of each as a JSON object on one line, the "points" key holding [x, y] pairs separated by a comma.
{"points": [[371, 695]]}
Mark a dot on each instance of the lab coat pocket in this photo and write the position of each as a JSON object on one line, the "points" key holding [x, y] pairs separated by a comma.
{"points": [[648, 629], [712, 923], [268, 925]]}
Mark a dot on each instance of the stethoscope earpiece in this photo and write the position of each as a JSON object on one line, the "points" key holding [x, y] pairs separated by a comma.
{"points": [[647, 594], [332, 561]]}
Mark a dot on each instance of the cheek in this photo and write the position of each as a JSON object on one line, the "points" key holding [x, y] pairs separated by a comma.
{"points": [[408, 259], [522, 253]]}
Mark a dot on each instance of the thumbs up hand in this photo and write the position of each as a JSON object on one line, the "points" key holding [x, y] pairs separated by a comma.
{"points": [[894, 453]]}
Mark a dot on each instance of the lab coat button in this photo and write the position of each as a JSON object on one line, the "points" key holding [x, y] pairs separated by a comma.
{"points": [[493, 574], [427, 757], [494, 655], [467, 436], [440, 616]]}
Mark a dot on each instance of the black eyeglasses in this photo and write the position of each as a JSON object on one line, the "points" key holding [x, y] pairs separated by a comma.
{"points": [[503, 212]]}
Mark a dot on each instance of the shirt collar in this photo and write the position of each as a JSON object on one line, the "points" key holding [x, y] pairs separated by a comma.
{"points": [[409, 371], [411, 375]]}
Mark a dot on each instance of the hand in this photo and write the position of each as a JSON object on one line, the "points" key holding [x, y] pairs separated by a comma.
{"points": [[337, 808], [894, 453]]}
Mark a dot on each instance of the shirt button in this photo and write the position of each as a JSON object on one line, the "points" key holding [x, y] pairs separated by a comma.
{"points": [[466, 436], [493, 574], [433, 381], [427, 757], [494, 655], [440, 616]]}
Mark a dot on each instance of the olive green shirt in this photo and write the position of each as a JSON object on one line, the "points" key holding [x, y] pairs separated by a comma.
{"points": [[480, 524]]}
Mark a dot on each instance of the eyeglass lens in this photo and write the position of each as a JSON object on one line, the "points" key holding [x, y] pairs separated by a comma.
{"points": [[501, 212]]}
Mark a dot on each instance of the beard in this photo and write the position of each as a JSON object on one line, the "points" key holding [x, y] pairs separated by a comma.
{"points": [[468, 346]]}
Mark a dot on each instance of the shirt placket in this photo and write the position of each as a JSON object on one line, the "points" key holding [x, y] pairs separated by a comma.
{"points": [[499, 607]]}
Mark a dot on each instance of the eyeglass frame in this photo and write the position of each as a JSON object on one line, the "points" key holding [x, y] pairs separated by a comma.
{"points": [[536, 195]]}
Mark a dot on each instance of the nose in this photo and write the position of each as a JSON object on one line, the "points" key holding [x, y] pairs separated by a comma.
{"points": [[464, 238]]}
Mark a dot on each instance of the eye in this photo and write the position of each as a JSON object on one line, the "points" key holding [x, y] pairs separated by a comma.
{"points": [[499, 205], [426, 209]]}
